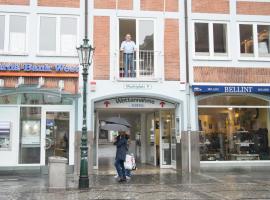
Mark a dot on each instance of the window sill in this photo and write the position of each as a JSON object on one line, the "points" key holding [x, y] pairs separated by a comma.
{"points": [[213, 58], [14, 53], [55, 55], [254, 59]]}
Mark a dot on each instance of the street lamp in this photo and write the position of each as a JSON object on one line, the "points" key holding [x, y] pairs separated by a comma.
{"points": [[85, 53]]}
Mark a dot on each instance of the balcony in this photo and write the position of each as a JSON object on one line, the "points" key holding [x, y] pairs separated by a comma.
{"points": [[138, 65]]}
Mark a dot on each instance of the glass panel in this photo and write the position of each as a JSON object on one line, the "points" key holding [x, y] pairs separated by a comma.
{"points": [[166, 120], [68, 35], [8, 99], [173, 135], [201, 38], [2, 32], [38, 99], [234, 134], [17, 33], [246, 38], [47, 39], [57, 134], [220, 38], [233, 100], [146, 48], [263, 40], [30, 120], [150, 145], [127, 42]]}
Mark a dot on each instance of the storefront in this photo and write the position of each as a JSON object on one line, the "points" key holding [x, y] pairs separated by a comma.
{"points": [[153, 131], [234, 124], [37, 113]]}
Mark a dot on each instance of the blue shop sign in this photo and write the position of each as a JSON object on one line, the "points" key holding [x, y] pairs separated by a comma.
{"points": [[230, 89], [30, 67]]}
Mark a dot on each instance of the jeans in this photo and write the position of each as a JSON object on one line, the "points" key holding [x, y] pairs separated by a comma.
{"points": [[128, 172], [129, 65], [119, 165]]}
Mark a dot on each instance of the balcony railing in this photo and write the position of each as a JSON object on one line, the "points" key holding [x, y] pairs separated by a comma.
{"points": [[139, 64]]}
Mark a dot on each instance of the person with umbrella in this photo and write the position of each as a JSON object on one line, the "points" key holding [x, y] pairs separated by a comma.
{"points": [[121, 151]]}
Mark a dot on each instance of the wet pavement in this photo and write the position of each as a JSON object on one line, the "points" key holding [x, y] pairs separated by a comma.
{"points": [[155, 184]]}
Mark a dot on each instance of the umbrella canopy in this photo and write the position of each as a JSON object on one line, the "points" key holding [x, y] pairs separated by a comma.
{"points": [[117, 120], [114, 127]]}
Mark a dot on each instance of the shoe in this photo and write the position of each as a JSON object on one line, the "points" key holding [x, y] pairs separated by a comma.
{"points": [[116, 176], [128, 177], [122, 180]]}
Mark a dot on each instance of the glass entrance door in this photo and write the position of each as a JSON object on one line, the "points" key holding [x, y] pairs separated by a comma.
{"points": [[57, 134]]}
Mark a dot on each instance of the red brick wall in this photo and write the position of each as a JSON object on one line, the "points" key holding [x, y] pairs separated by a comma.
{"points": [[171, 5], [125, 4], [171, 50], [231, 75], [253, 8], [60, 3], [102, 45], [211, 6], [105, 4], [14, 2], [152, 5]]}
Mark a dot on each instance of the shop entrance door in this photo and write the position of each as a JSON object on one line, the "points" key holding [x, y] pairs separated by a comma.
{"points": [[57, 134]]}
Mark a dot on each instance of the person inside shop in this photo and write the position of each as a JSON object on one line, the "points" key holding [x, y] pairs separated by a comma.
{"points": [[121, 151], [128, 48]]}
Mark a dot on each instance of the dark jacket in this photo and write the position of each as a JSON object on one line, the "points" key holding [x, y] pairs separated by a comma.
{"points": [[121, 148]]}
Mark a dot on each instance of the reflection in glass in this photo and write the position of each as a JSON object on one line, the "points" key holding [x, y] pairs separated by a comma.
{"points": [[263, 40], [17, 33], [246, 38], [47, 37], [220, 38], [30, 135], [2, 32], [201, 38], [8, 99], [57, 134]]}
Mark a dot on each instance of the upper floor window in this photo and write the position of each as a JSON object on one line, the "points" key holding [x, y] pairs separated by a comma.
{"points": [[136, 44], [58, 35], [13, 33], [210, 39], [254, 40]]}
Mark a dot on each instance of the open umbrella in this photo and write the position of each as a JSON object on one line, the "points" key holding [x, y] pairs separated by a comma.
{"points": [[117, 120], [114, 127]]}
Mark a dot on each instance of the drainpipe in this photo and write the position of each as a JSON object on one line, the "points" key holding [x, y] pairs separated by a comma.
{"points": [[188, 87]]}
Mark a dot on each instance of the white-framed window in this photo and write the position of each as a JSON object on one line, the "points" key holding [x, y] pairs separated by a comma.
{"points": [[137, 58], [254, 40], [13, 33], [211, 39], [58, 35]]}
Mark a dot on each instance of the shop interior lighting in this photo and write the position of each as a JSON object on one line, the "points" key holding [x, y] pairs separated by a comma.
{"points": [[2, 82]]}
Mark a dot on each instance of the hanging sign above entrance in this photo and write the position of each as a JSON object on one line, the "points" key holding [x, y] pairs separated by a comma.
{"points": [[134, 102], [230, 89]]}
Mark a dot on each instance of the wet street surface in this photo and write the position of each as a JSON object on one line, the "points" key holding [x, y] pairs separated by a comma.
{"points": [[161, 184]]}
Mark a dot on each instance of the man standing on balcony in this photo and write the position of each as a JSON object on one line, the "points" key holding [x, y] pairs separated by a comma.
{"points": [[128, 47]]}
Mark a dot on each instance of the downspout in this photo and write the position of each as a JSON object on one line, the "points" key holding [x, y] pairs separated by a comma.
{"points": [[188, 87]]}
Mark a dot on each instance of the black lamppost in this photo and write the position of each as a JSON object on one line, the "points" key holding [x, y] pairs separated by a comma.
{"points": [[85, 53]]}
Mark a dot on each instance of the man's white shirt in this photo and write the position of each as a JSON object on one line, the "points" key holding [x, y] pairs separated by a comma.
{"points": [[128, 46]]}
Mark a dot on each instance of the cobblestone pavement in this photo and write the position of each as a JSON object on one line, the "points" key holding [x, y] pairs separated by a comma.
{"points": [[164, 185]]}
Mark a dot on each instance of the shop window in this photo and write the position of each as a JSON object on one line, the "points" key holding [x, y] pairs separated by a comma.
{"points": [[220, 38], [58, 36], [17, 33], [5, 135], [13, 34], [30, 122], [2, 32], [202, 38], [246, 39], [263, 40], [238, 132], [136, 44]]}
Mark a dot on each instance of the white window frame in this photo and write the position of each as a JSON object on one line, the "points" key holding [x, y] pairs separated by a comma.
{"points": [[58, 51], [150, 78], [211, 55], [255, 56], [6, 50]]}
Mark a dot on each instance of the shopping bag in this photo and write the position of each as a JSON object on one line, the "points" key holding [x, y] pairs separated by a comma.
{"points": [[130, 163]]}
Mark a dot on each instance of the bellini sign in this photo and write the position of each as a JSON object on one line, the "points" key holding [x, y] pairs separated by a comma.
{"points": [[230, 89], [30, 67]]}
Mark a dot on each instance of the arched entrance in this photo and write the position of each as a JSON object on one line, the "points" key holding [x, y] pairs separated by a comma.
{"points": [[154, 123]]}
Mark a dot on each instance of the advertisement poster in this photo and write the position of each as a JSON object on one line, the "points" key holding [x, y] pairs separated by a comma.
{"points": [[31, 132]]}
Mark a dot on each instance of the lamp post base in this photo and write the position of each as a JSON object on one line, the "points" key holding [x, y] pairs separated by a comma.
{"points": [[83, 182]]}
